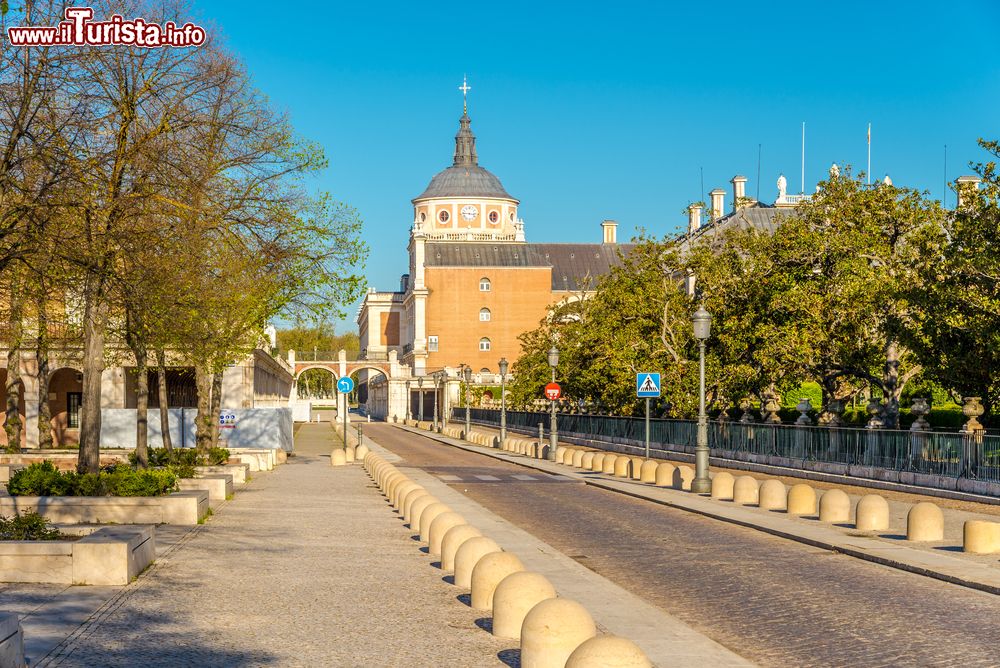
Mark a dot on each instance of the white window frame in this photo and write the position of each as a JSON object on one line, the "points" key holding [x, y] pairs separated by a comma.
{"points": [[485, 344], [487, 313], [432, 344], [485, 282]]}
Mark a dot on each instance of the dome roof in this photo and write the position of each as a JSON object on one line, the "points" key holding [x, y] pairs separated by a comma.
{"points": [[465, 178]]}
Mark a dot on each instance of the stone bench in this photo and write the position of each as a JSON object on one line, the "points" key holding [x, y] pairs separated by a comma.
{"points": [[259, 459], [238, 472], [11, 640], [218, 485], [105, 556], [182, 508]]}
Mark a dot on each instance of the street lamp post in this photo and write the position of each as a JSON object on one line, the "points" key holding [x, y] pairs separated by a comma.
{"points": [[503, 400], [409, 403], [420, 391], [553, 432], [468, 401], [702, 484], [436, 377]]}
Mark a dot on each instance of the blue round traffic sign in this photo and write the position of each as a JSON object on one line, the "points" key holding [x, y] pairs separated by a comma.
{"points": [[345, 385]]}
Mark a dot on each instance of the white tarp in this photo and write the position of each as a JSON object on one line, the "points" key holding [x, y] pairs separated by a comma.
{"points": [[251, 428]]}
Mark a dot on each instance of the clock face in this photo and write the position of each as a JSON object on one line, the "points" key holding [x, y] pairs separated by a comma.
{"points": [[469, 212]]}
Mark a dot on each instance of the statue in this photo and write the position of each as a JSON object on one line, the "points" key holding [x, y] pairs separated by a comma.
{"points": [[887, 181], [782, 187], [834, 171]]}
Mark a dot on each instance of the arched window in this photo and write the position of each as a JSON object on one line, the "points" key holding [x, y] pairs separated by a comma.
{"points": [[443, 216], [485, 315], [484, 284], [484, 345]]}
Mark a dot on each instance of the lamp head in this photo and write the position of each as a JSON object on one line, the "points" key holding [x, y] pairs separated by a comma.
{"points": [[702, 321], [553, 357], [503, 366], [468, 375]]}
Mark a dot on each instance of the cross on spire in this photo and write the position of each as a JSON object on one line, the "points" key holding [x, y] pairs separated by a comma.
{"points": [[465, 88]]}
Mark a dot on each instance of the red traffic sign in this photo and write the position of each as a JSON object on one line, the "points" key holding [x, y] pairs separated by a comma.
{"points": [[553, 391]]}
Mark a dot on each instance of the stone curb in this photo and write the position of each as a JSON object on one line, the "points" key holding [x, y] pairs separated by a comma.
{"points": [[940, 567]]}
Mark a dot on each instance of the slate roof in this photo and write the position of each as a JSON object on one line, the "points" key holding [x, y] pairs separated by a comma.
{"points": [[464, 181], [574, 266], [760, 217]]}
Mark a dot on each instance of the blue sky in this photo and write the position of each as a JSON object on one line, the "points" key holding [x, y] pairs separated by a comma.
{"points": [[591, 111]]}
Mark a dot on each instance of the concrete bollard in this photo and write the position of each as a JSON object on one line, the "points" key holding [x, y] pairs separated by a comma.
{"points": [[665, 474], [487, 574], [608, 465], [407, 500], [925, 522], [683, 475], [429, 515], [623, 467], [578, 458], [567, 456], [468, 555], [439, 527], [384, 473], [835, 506], [551, 632], [871, 513], [801, 500], [361, 452], [350, 454], [337, 457], [401, 492], [453, 540], [560, 452], [722, 486], [517, 594], [417, 509], [608, 652], [392, 482], [772, 495], [587, 463], [746, 491], [636, 472], [647, 472], [597, 464], [980, 537]]}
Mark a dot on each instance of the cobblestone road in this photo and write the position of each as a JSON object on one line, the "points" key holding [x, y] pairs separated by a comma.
{"points": [[308, 566], [771, 600]]}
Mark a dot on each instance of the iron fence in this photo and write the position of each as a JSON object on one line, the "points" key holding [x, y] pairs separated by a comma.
{"points": [[955, 455]]}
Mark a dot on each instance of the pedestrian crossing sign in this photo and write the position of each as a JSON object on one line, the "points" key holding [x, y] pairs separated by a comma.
{"points": [[647, 385]]}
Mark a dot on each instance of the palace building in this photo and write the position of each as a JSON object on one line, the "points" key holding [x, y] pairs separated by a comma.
{"points": [[474, 282]]}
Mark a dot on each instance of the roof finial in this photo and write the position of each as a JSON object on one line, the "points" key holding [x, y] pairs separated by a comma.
{"points": [[465, 88]]}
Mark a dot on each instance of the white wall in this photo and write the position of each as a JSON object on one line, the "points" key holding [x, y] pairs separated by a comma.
{"points": [[254, 428]]}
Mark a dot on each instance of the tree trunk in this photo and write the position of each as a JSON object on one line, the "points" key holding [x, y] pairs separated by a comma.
{"points": [[891, 386], [203, 437], [216, 406], [142, 409], [94, 332], [161, 381], [42, 357], [12, 425]]}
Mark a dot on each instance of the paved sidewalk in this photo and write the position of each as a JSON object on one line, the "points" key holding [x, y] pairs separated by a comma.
{"points": [[308, 566], [943, 560]]}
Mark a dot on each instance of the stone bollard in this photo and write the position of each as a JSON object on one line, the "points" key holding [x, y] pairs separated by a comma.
{"points": [[925, 522], [578, 458], [429, 515], [468, 555], [801, 500], [552, 630], [608, 652], [439, 527], [597, 464], [487, 574], [560, 451], [665, 474], [407, 500], [722, 486], [608, 465], [361, 452], [636, 472], [417, 509], [350, 454], [453, 540], [587, 463], [871, 513], [337, 457], [392, 483], [401, 492], [683, 475], [623, 467], [981, 537], [772, 495], [746, 491], [514, 597], [647, 472], [567, 456], [835, 506], [384, 473]]}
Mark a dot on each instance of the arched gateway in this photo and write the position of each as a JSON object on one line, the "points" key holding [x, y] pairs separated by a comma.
{"points": [[388, 397]]}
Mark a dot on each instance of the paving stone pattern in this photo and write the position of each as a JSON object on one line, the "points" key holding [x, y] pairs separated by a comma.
{"points": [[771, 600], [308, 566]]}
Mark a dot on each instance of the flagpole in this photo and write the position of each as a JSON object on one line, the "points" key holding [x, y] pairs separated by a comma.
{"points": [[869, 154], [803, 191]]}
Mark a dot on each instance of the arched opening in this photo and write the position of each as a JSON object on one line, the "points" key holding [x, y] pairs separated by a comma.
{"points": [[3, 408], [371, 391], [317, 383], [65, 402]]}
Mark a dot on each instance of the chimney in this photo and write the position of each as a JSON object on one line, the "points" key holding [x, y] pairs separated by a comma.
{"points": [[718, 202], [404, 282], [610, 229], [694, 218], [739, 191], [965, 184]]}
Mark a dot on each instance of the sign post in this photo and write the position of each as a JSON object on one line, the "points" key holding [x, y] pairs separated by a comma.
{"points": [[345, 386], [647, 385]]}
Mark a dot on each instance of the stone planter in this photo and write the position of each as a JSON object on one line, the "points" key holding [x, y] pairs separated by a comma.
{"points": [[218, 485], [239, 472], [182, 508], [11, 640]]}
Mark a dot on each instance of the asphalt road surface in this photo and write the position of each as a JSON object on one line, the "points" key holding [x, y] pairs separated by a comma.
{"points": [[773, 601]]}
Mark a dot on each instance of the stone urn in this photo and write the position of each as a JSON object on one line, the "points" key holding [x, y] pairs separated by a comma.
{"points": [[920, 409], [804, 407], [747, 417], [831, 414], [770, 409], [972, 409], [875, 411]]}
